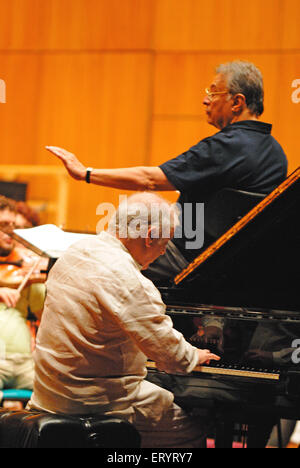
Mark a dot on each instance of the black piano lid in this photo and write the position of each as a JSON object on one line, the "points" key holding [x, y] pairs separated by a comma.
{"points": [[255, 263]]}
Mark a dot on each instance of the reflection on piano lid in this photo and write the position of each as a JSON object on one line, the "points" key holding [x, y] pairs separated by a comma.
{"points": [[255, 347], [255, 263]]}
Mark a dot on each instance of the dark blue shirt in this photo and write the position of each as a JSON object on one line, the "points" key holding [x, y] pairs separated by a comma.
{"points": [[242, 156]]}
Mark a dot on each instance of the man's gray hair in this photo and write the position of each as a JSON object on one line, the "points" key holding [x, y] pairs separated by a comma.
{"points": [[245, 78], [141, 211]]}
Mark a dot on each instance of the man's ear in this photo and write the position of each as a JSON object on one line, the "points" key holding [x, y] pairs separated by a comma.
{"points": [[148, 238], [239, 103], [151, 236]]}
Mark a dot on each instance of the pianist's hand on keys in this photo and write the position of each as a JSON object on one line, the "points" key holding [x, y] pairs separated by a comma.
{"points": [[205, 356]]}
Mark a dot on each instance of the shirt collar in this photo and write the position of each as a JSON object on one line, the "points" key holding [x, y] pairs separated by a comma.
{"points": [[256, 125], [114, 241]]}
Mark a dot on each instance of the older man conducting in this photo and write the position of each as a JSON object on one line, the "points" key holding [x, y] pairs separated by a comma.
{"points": [[242, 155], [103, 319]]}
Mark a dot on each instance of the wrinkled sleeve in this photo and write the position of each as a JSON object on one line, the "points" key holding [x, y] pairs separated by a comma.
{"points": [[142, 316]]}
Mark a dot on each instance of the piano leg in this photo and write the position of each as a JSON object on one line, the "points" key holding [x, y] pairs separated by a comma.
{"points": [[255, 431], [259, 434], [224, 434]]}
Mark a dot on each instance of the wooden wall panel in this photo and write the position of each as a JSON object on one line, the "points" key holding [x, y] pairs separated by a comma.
{"points": [[287, 118], [19, 115], [105, 118], [95, 105], [75, 24], [217, 25], [171, 137], [180, 80], [290, 10]]}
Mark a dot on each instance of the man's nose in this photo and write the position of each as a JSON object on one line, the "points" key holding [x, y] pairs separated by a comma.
{"points": [[206, 101]]}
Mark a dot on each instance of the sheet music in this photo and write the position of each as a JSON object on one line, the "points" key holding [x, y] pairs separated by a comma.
{"points": [[48, 239]]}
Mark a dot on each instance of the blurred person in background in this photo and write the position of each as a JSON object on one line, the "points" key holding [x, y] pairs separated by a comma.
{"points": [[16, 364], [26, 216]]}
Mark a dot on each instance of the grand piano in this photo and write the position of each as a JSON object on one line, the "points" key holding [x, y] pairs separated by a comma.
{"points": [[240, 299]]}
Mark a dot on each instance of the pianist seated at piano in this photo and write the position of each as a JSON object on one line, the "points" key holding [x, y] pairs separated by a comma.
{"points": [[242, 155], [101, 321], [17, 299]]}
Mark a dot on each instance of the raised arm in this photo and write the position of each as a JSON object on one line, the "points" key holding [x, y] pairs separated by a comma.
{"points": [[132, 178]]}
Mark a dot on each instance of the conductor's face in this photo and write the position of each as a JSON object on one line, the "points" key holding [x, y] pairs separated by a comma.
{"points": [[218, 103]]}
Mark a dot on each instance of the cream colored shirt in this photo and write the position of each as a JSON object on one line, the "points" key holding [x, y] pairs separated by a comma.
{"points": [[102, 319]]}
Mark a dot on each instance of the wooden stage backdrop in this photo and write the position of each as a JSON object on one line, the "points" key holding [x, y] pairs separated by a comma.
{"points": [[120, 82]]}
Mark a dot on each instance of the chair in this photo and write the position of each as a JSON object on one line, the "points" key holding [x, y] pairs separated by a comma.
{"points": [[221, 212], [226, 208], [35, 429]]}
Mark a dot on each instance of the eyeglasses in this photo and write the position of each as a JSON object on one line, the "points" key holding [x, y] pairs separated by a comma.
{"points": [[211, 94], [7, 226]]}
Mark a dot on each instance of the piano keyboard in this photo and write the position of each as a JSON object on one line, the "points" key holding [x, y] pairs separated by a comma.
{"points": [[230, 371]]}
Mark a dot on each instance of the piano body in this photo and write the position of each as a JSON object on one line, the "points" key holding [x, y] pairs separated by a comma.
{"points": [[240, 299]]}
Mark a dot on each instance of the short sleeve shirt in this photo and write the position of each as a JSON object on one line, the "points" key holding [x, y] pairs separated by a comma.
{"points": [[242, 156]]}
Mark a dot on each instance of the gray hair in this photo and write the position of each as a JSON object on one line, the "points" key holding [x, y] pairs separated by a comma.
{"points": [[141, 211], [245, 78]]}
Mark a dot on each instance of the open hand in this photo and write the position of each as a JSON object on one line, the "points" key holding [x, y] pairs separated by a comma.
{"points": [[9, 296], [205, 356], [72, 164]]}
